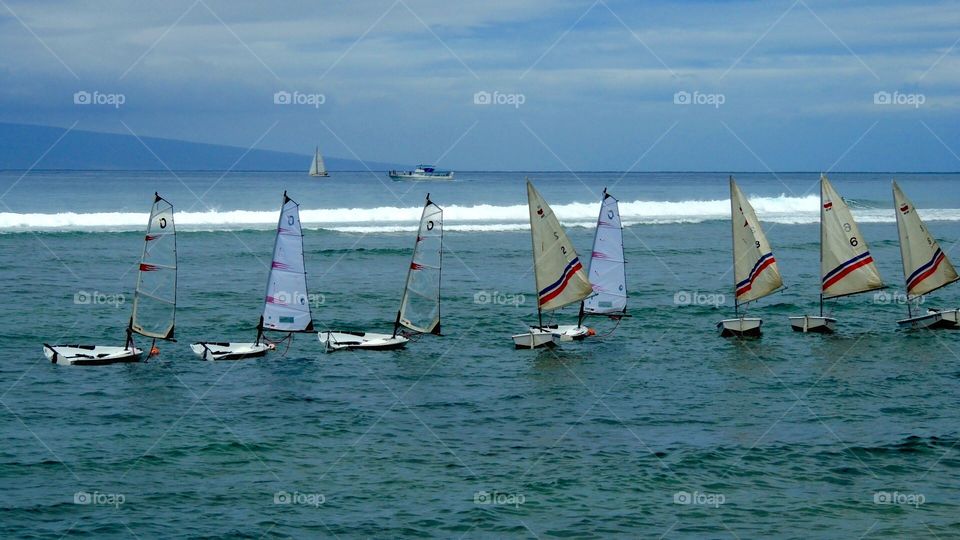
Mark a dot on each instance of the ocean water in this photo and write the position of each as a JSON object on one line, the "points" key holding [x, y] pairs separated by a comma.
{"points": [[658, 428]]}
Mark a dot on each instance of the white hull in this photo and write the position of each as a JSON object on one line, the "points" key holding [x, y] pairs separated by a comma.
{"points": [[813, 323], [319, 174], [933, 319], [535, 338], [335, 341], [90, 355], [569, 332], [419, 176], [230, 351], [741, 327]]}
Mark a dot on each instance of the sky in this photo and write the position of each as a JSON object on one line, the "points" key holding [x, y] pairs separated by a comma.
{"points": [[504, 85]]}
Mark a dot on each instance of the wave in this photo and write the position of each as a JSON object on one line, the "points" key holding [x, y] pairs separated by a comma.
{"points": [[478, 218]]}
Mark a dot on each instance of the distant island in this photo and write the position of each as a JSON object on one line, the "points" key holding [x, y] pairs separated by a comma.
{"points": [[22, 144]]}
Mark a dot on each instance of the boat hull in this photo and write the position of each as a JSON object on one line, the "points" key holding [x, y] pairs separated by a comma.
{"points": [[932, 320], [91, 355], [570, 332], [212, 351], [535, 339], [741, 327], [336, 341], [421, 177], [320, 175], [813, 324]]}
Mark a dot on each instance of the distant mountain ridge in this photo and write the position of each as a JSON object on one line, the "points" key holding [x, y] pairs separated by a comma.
{"points": [[22, 144]]}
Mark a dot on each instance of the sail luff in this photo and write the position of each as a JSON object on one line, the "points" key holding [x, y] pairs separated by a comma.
{"points": [[560, 277], [155, 296], [606, 272], [420, 303], [286, 306], [926, 267], [846, 265], [755, 269]]}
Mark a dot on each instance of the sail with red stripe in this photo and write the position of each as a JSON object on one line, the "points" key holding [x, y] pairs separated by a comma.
{"points": [[560, 276], [286, 306], [925, 266], [155, 298], [755, 269], [846, 265], [420, 305]]}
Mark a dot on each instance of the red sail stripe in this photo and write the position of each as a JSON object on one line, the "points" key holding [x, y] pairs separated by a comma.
{"points": [[841, 274], [748, 286], [916, 281], [144, 267], [566, 279]]}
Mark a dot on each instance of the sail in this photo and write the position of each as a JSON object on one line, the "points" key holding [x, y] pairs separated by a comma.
{"points": [[560, 277], [155, 298], [317, 166], [607, 273], [925, 266], [846, 266], [286, 307], [755, 270], [420, 306]]}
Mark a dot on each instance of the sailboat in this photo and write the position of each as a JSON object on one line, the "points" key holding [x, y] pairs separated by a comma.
{"points": [[926, 267], [420, 304], [285, 306], [154, 299], [560, 277], [607, 273], [755, 272], [846, 266], [317, 167]]}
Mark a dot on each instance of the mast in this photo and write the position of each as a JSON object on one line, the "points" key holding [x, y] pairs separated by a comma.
{"points": [[533, 250], [821, 240], [733, 249]]}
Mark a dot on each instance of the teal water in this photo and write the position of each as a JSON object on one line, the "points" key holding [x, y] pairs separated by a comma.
{"points": [[788, 436]]}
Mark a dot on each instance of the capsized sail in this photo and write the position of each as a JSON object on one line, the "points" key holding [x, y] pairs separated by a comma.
{"points": [[607, 267], [420, 305], [846, 266], [755, 270], [155, 298], [925, 266], [286, 307], [560, 277]]}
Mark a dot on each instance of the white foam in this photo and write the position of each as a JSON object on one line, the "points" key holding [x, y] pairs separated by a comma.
{"points": [[478, 218]]}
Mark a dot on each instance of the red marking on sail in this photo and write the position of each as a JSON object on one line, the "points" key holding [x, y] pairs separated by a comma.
{"points": [[843, 273], [281, 266], [905, 208], [144, 267], [540, 212], [415, 266], [828, 205], [566, 279], [151, 237]]}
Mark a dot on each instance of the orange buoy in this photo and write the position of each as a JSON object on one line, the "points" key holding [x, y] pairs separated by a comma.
{"points": [[154, 350], [591, 332]]}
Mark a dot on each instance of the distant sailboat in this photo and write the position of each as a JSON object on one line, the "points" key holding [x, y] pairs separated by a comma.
{"points": [[317, 167], [285, 307], [420, 305], [607, 273], [926, 267], [560, 277], [154, 300], [846, 266], [755, 272]]}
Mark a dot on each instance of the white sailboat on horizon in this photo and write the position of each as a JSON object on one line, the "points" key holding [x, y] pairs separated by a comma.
{"points": [[755, 272], [926, 267], [559, 275], [317, 166], [607, 273], [846, 266], [154, 299], [419, 311], [286, 306]]}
